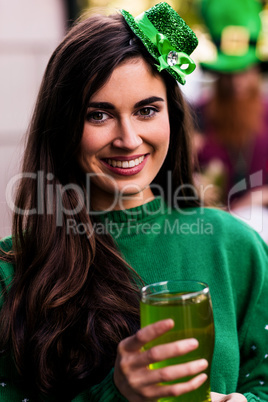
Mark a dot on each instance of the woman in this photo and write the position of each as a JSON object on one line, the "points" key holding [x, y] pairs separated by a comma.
{"points": [[109, 205]]}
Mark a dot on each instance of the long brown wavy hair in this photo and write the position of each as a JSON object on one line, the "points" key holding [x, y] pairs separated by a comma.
{"points": [[73, 297]]}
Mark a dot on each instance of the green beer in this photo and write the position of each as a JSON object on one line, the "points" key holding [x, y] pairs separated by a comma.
{"points": [[191, 311]]}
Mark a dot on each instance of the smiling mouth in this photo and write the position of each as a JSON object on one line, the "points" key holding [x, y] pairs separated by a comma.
{"points": [[125, 164]]}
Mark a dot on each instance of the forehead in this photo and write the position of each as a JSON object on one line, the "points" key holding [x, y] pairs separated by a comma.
{"points": [[133, 78]]}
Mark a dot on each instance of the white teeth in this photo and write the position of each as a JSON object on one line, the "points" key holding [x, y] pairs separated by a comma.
{"points": [[125, 164]]}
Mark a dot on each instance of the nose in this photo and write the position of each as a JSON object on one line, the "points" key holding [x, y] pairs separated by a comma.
{"points": [[127, 135]]}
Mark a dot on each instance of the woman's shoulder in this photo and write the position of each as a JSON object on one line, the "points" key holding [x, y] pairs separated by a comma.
{"points": [[6, 244], [223, 224], [227, 220], [237, 232]]}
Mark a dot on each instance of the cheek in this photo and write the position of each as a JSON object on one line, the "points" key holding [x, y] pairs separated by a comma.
{"points": [[90, 143], [95, 139], [86, 151], [163, 136]]}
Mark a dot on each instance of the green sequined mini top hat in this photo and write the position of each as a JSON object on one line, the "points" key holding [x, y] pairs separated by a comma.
{"points": [[167, 38]]}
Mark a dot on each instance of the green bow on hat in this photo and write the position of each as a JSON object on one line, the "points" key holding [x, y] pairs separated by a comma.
{"points": [[167, 38]]}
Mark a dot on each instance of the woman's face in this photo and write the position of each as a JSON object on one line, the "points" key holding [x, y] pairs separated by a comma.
{"points": [[126, 137]]}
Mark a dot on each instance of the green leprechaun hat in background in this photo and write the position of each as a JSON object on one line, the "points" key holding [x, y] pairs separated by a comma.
{"points": [[234, 26], [167, 38]]}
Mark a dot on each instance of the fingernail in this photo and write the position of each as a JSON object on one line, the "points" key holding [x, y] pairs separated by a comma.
{"points": [[203, 363], [193, 342], [201, 378], [170, 322]]}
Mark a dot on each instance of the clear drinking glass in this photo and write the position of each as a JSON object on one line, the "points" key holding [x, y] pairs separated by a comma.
{"points": [[188, 303]]}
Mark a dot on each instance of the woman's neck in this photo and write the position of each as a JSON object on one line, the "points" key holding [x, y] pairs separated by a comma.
{"points": [[117, 202]]}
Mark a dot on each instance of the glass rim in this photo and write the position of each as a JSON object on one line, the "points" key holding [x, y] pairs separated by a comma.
{"points": [[186, 296]]}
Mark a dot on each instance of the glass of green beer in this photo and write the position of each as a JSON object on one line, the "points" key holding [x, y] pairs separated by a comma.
{"points": [[188, 303]]}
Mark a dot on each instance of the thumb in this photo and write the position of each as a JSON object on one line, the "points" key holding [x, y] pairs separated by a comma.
{"points": [[215, 397]]}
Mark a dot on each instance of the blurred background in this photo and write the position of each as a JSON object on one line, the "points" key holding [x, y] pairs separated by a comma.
{"points": [[29, 32]]}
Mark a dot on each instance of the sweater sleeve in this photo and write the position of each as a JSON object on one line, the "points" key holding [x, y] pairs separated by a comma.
{"points": [[106, 391], [253, 332]]}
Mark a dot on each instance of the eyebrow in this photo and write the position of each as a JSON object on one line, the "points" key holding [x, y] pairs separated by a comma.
{"points": [[146, 101], [143, 102]]}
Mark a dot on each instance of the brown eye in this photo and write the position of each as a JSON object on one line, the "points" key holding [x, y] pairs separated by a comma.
{"points": [[97, 116], [145, 111]]}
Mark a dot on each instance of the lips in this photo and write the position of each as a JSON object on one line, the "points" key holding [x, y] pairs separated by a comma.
{"points": [[126, 166]]}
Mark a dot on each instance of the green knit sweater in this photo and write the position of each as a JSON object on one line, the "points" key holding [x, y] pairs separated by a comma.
{"points": [[200, 244]]}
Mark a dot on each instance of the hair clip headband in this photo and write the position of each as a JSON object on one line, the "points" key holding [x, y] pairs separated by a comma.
{"points": [[167, 38]]}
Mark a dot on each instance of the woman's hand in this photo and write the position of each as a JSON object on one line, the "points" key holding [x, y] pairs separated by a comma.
{"points": [[215, 397], [138, 383]]}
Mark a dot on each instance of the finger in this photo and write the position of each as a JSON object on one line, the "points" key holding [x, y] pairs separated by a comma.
{"points": [[147, 334], [161, 391], [166, 351], [215, 397], [171, 373]]}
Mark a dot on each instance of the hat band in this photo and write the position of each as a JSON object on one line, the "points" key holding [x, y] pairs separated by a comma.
{"points": [[180, 62]]}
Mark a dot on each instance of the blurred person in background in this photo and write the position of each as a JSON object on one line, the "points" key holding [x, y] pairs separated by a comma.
{"points": [[232, 122]]}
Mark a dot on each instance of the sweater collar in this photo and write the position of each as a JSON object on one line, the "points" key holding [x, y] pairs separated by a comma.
{"points": [[140, 213]]}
